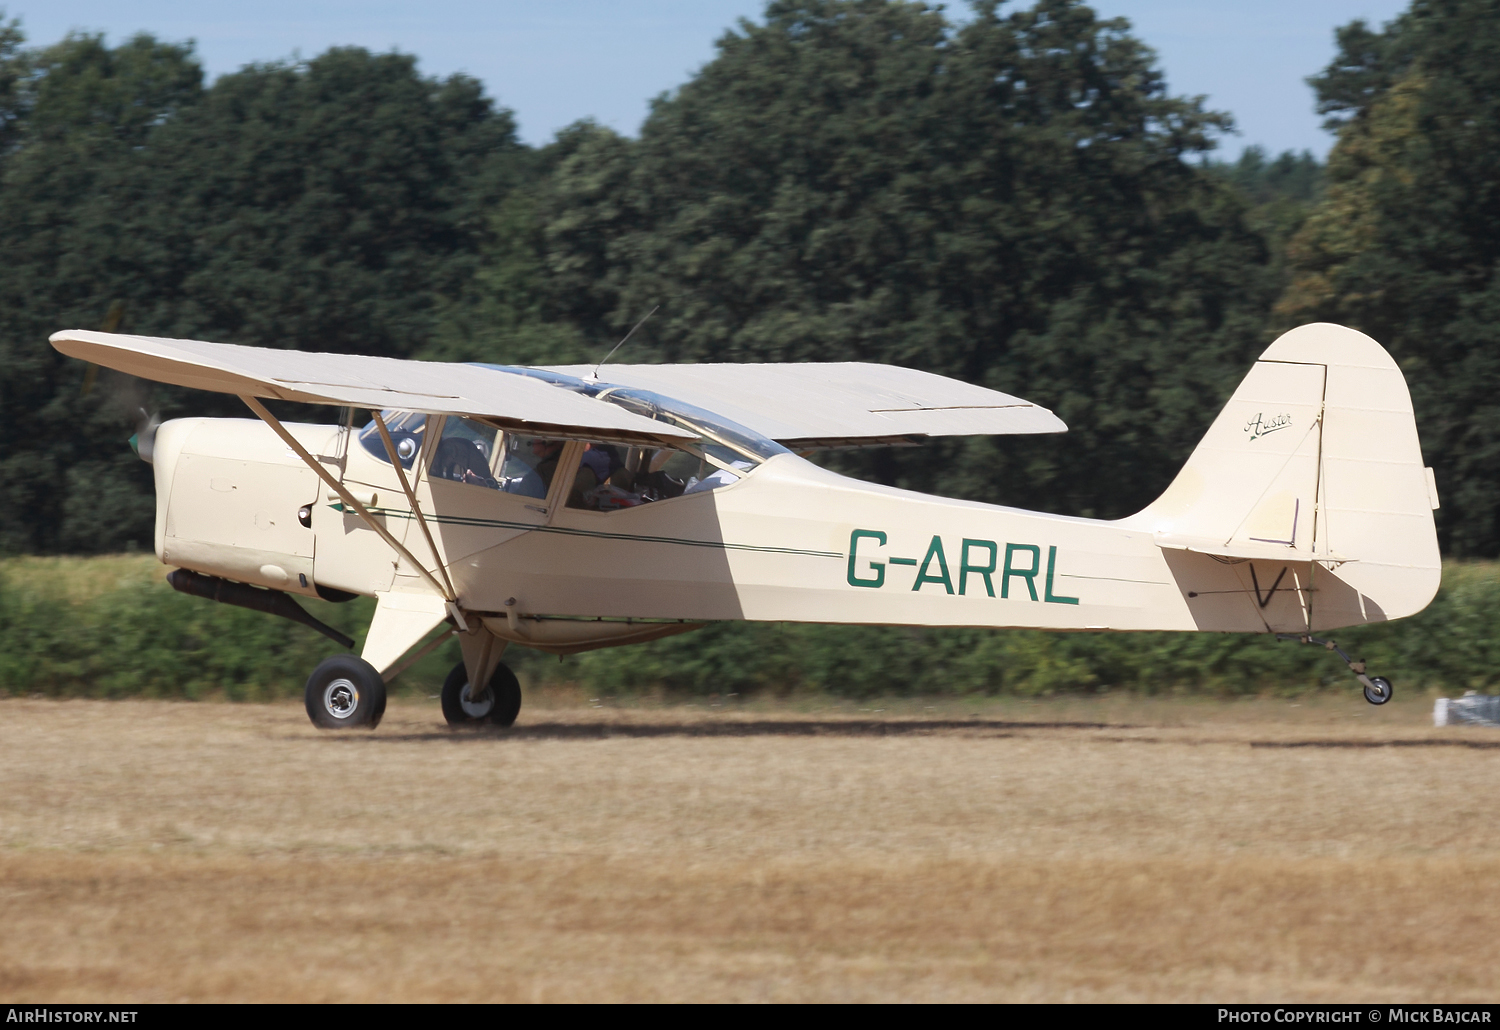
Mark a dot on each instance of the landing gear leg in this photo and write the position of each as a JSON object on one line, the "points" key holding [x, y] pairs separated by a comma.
{"points": [[1378, 689]]}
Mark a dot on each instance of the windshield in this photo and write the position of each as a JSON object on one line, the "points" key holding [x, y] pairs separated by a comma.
{"points": [[728, 435], [406, 428]]}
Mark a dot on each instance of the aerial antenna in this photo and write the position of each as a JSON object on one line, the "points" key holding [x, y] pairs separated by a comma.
{"points": [[622, 342]]}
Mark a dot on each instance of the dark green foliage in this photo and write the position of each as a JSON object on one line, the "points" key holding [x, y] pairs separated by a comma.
{"points": [[330, 205], [12, 66], [1406, 245], [1293, 177], [147, 640], [1367, 65]]}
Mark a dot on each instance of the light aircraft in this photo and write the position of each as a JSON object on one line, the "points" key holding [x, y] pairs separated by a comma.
{"points": [[570, 508]]}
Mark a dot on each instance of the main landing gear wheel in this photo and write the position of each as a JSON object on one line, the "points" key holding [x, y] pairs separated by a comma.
{"points": [[345, 692], [498, 705], [1379, 691]]}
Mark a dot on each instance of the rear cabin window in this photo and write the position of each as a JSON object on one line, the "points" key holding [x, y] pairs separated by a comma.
{"points": [[615, 476]]}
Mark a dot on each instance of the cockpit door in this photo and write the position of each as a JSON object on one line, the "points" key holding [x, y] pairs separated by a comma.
{"points": [[482, 487]]}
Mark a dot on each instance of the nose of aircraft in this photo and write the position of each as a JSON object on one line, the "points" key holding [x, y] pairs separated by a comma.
{"points": [[143, 440]]}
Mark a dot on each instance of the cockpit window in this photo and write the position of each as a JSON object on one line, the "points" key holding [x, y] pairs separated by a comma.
{"points": [[466, 452], [480, 455], [406, 428], [610, 476]]}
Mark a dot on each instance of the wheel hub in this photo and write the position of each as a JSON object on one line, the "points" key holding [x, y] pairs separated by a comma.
{"points": [[476, 707], [341, 698]]}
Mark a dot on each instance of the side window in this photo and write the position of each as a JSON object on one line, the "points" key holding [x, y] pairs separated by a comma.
{"points": [[528, 464], [612, 476], [465, 454]]}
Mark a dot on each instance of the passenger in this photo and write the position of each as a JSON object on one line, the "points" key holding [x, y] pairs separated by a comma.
{"points": [[547, 454], [593, 469], [597, 460]]}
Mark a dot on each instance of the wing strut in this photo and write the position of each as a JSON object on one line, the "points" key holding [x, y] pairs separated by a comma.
{"points": [[411, 498], [344, 495]]}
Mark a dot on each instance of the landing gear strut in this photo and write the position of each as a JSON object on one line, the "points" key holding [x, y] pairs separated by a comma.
{"points": [[1378, 689]]}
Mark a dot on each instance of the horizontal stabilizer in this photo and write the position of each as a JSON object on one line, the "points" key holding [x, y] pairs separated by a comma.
{"points": [[1246, 549]]}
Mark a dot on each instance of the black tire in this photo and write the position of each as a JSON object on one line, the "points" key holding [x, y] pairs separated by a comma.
{"points": [[498, 705], [345, 692], [1382, 692]]}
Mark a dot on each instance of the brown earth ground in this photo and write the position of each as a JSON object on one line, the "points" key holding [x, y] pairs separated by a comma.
{"points": [[1106, 850]]}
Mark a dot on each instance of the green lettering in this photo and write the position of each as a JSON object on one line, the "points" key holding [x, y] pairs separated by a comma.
{"points": [[877, 567], [964, 568], [1029, 575], [934, 550], [1051, 567]]}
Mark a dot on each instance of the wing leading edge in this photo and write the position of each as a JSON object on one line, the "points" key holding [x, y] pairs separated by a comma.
{"points": [[835, 404], [508, 400], [814, 404]]}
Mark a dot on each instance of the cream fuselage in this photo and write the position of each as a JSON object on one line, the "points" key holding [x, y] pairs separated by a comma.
{"points": [[789, 542]]}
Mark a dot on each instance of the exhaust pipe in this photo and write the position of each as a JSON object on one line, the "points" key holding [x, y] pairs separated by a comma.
{"points": [[272, 602]]}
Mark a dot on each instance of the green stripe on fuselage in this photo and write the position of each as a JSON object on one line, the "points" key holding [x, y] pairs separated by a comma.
{"points": [[460, 520]]}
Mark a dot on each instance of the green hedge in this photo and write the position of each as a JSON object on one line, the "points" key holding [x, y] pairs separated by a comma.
{"points": [[138, 638]]}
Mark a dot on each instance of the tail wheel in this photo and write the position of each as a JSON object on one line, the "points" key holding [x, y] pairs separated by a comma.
{"points": [[498, 704], [1379, 691], [345, 692]]}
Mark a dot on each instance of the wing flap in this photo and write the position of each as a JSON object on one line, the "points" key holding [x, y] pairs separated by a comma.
{"points": [[365, 382], [835, 404]]}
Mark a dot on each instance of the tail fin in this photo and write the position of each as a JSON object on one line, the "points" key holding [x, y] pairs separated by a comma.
{"points": [[1315, 459]]}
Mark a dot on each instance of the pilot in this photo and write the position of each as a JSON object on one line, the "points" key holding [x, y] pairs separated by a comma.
{"points": [[546, 453], [463, 462]]}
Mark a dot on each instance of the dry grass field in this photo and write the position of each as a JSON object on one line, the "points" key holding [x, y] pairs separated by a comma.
{"points": [[1104, 850]]}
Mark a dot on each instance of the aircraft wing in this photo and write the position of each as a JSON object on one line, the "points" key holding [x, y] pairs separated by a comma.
{"points": [[836, 403], [509, 400]]}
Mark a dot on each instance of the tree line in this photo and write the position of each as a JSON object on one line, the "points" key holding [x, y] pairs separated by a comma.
{"points": [[1017, 200]]}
